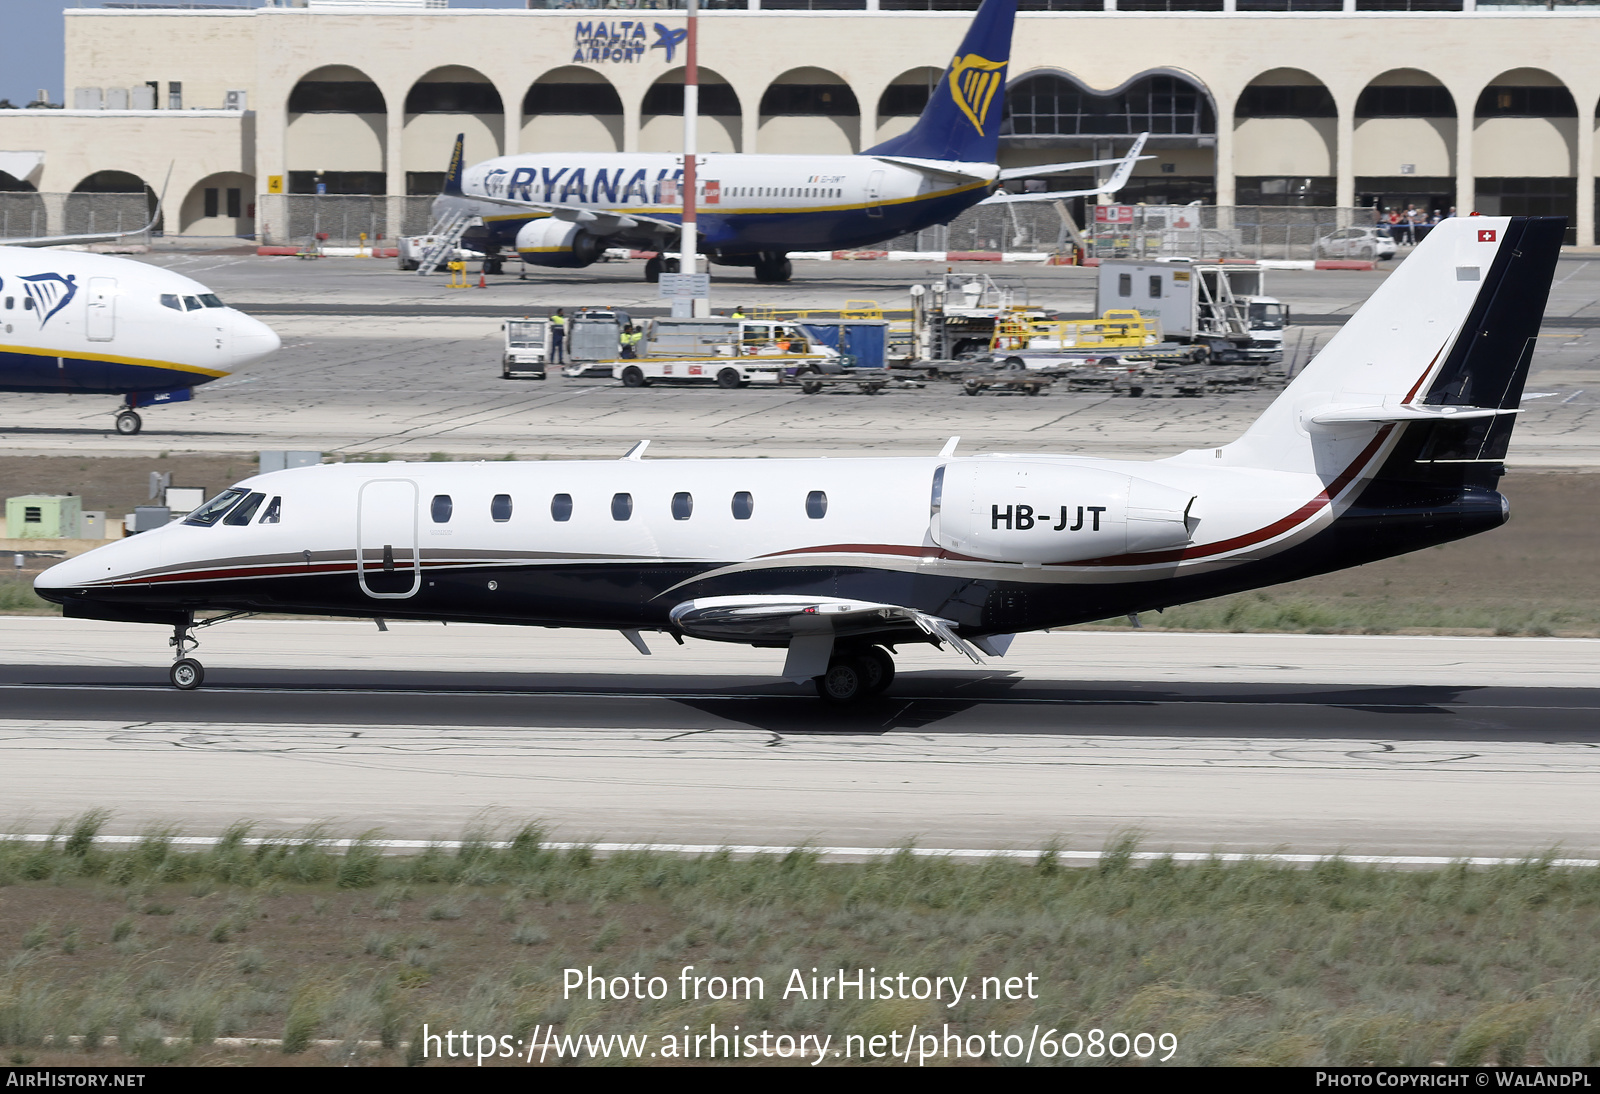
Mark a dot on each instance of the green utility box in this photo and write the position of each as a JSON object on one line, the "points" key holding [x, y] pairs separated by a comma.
{"points": [[44, 516]]}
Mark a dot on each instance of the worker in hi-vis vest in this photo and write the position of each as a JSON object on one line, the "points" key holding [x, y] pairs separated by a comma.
{"points": [[558, 338], [630, 341]]}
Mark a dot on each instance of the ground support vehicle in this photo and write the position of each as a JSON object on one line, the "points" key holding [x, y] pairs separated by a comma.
{"points": [[1189, 380], [593, 341], [731, 353], [954, 316], [869, 381], [1220, 305], [527, 349], [1006, 381]]}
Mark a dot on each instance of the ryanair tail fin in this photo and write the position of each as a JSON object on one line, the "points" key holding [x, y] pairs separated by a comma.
{"points": [[962, 118], [452, 178]]}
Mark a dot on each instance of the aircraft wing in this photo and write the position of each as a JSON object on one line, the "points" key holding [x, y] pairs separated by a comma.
{"points": [[93, 237], [1118, 178], [790, 618]]}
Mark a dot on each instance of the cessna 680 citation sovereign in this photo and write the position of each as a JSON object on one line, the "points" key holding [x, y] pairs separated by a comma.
{"points": [[1391, 440]]}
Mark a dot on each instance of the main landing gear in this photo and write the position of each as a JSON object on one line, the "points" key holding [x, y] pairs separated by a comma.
{"points": [[660, 264], [856, 675]]}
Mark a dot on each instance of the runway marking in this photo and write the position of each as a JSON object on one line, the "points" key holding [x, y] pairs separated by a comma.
{"points": [[398, 846]]}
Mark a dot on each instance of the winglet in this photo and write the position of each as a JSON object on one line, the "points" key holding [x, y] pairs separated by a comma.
{"points": [[452, 178]]}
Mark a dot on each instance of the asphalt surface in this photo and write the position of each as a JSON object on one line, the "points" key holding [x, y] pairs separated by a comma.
{"points": [[923, 702]]}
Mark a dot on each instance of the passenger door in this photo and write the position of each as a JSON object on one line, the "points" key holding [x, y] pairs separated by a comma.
{"points": [[387, 566], [101, 324]]}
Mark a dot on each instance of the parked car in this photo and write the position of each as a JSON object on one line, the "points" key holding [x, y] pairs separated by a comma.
{"points": [[1371, 241]]}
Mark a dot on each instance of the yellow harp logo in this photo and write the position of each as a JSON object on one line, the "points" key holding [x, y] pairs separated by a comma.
{"points": [[973, 82]]}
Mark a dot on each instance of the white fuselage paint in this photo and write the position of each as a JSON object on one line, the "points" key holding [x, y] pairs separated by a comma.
{"points": [[72, 305], [729, 185]]}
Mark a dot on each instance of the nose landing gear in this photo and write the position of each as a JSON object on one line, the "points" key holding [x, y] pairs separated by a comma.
{"points": [[128, 423], [186, 673]]}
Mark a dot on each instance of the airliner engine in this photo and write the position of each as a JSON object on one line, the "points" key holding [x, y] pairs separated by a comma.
{"points": [[552, 242], [1019, 510]]}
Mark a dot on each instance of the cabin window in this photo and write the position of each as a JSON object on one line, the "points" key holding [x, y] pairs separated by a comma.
{"points": [[816, 505], [682, 506], [621, 506], [27, 304], [500, 508], [561, 507], [274, 511], [211, 512], [245, 510], [744, 503], [1124, 284], [442, 508], [1155, 287], [170, 300], [11, 302]]}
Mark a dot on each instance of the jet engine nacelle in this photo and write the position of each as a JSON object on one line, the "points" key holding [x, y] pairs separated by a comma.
{"points": [[1040, 511], [552, 242]]}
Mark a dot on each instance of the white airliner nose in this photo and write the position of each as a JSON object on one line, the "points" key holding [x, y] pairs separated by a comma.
{"points": [[249, 339]]}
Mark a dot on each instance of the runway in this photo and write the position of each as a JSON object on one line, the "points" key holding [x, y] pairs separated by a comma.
{"points": [[1310, 744]]}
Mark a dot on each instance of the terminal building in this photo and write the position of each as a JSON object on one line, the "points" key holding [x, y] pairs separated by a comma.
{"points": [[1441, 104]]}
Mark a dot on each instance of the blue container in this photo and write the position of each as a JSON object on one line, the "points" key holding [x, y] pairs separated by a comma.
{"points": [[865, 340]]}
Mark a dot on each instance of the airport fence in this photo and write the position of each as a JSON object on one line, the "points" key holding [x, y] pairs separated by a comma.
{"points": [[27, 214], [1150, 231]]}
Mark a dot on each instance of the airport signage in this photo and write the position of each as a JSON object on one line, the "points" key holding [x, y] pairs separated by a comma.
{"points": [[621, 41], [691, 286], [1113, 214]]}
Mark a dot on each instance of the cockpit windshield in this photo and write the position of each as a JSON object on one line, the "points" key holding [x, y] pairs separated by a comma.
{"points": [[213, 510]]}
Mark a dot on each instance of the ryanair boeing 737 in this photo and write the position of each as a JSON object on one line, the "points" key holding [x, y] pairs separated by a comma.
{"points": [[564, 209]]}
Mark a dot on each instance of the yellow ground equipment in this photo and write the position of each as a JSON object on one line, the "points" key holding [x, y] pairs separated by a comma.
{"points": [[1116, 329]]}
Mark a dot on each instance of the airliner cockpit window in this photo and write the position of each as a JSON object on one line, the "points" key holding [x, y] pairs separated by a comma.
{"points": [[274, 512], [211, 300], [170, 300], [211, 512], [245, 510], [192, 303]]}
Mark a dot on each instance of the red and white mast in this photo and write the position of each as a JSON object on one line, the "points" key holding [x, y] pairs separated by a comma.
{"points": [[688, 243]]}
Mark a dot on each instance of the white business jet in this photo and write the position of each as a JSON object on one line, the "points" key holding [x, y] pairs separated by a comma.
{"points": [[1389, 441]]}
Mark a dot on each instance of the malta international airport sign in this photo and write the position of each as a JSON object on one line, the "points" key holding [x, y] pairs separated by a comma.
{"points": [[622, 41]]}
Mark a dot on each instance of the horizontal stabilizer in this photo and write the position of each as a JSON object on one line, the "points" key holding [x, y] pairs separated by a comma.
{"points": [[1335, 414]]}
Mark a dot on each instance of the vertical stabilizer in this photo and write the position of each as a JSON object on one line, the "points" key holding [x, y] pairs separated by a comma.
{"points": [[1440, 351], [452, 177], [962, 118]]}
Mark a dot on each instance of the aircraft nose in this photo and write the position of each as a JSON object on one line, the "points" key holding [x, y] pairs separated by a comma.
{"points": [[249, 339], [70, 574]]}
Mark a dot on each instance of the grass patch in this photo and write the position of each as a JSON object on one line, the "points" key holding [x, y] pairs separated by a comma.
{"points": [[18, 598], [1245, 963], [1279, 612]]}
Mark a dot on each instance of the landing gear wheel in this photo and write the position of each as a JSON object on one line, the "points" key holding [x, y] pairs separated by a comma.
{"points": [[844, 683], [971, 387], [878, 666], [774, 270], [729, 378], [187, 674], [652, 269], [633, 376], [811, 387], [128, 423]]}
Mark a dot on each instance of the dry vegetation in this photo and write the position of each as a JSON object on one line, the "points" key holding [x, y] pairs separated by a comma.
{"points": [[150, 953]]}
